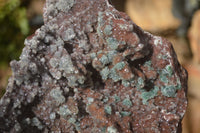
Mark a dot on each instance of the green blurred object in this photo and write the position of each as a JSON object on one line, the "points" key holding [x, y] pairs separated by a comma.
{"points": [[14, 28]]}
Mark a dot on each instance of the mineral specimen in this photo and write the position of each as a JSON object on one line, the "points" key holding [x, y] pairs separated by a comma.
{"points": [[90, 69]]}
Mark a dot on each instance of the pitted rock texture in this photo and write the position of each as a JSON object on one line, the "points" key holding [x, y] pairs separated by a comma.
{"points": [[90, 69]]}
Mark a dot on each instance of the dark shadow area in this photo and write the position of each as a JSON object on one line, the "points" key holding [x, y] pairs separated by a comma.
{"points": [[81, 108], [26, 112], [118, 4], [68, 47], [95, 77]]}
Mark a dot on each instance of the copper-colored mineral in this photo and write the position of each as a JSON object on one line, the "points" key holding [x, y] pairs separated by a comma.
{"points": [[90, 69]]}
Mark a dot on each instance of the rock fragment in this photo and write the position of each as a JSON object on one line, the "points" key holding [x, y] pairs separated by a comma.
{"points": [[89, 68]]}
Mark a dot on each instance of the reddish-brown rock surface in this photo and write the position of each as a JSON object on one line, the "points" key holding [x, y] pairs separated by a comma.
{"points": [[90, 69]]}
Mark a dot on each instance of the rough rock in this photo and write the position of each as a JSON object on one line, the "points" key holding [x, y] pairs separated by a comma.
{"points": [[90, 69]]}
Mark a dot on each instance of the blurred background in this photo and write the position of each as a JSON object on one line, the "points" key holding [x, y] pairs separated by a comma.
{"points": [[176, 20]]}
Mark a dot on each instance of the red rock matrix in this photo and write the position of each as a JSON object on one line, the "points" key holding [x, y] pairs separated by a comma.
{"points": [[90, 69]]}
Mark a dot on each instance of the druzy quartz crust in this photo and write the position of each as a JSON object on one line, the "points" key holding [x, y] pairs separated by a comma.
{"points": [[90, 69]]}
